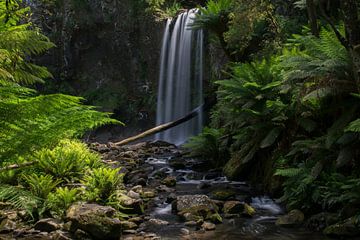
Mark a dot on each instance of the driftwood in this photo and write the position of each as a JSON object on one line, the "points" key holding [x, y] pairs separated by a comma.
{"points": [[17, 166], [160, 128]]}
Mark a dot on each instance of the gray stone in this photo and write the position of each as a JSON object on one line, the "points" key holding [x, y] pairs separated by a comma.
{"points": [[98, 221], [47, 225], [133, 194]]}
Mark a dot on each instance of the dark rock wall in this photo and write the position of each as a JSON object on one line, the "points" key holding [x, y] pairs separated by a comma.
{"points": [[107, 51]]}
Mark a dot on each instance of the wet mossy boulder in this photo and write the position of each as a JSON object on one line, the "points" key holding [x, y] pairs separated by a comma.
{"points": [[292, 219], [196, 208], [96, 220], [347, 228]]}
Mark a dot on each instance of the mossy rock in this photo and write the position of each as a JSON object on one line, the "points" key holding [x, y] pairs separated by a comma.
{"points": [[292, 219], [347, 228], [223, 195], [169, 181]]}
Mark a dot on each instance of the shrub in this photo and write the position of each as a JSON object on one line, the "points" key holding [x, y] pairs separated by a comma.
{"points": [[67, 161]]}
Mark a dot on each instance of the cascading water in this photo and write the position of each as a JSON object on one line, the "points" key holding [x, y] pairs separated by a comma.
{"points": [[181, 77]]}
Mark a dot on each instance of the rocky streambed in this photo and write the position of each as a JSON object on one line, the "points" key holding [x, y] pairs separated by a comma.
{"points": [[168, 196]]}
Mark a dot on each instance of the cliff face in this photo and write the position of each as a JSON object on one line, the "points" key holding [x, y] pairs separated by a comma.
{"points": [[107, 51]]}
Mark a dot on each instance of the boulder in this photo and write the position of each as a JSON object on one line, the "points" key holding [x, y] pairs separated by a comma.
{"points": [[196, 208], [233, 207], [186, 202], [347, 228], [47, 225], [94, 219], [292, 219]]}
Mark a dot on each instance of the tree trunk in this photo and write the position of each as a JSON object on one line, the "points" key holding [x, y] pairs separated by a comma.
{"points": [[311, 9]]}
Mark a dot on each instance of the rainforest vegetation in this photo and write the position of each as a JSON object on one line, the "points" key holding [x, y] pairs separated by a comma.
{"points": [[285, 110]]}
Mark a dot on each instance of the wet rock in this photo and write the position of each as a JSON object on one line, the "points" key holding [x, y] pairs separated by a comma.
{"points": [[163, 188], [228, 216], [60, 235], [233, 207], [127, 225], [170, 198], [47, 225], [148, 194], [136, 220], [191, 223], [322, 220], [249, 211], [131, 205], [129, 231], [208, 226], [177, 163], [347, 228], [141, 181], [158, 222], [192, 217], [82, 235], [223, 195], [7, 226], [292, 219], [133, 194], [169, 181], [215, 218], [94, 219], [203, 185], [137, 189], [185, 231]]}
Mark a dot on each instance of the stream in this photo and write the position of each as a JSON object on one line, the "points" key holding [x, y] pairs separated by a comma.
{"points": [[193, 177]]}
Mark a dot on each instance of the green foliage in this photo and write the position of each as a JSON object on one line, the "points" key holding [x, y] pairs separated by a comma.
{"points": [[208, 145], [67, 161], [60, 200], [29, 121], [163, 9], [214, 16], [101, 183], [40, 185]]}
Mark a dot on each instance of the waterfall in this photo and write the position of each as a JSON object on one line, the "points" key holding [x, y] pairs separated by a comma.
{"points": [[181, 78]]}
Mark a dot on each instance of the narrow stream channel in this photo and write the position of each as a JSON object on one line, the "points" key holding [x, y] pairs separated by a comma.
{"points": [[192, 180]]}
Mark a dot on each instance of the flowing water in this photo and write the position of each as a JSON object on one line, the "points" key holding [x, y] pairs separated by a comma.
{"points": [[191, 177], [181, 78]]}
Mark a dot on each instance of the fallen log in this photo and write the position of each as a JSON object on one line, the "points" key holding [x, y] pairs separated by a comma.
{"points": [[161, 128]]}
